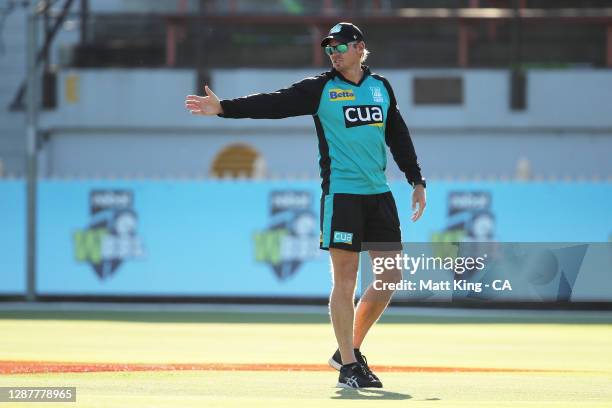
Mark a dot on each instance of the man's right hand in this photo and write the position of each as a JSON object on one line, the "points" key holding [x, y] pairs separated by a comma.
{"points": [[204, 105]]}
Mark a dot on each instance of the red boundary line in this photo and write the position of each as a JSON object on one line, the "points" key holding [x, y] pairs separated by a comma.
{"points": [[31, 367]]}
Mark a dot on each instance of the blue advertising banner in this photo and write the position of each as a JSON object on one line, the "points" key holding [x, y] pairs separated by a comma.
{"points": [[181, 239], [12, 237], [250, 238], [509, 212]]}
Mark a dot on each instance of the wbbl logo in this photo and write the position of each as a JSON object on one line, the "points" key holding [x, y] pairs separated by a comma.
{"points": [[292, 235], [360, 115], [470, 218], [111, 237]]}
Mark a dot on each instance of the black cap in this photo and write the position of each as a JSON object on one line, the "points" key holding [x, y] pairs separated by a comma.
{"points": [[344, 33]]}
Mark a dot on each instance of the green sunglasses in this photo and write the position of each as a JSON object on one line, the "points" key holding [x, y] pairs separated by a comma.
{"points": [[340, 48]]}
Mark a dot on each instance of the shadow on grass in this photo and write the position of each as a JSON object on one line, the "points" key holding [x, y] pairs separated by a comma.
{"points": [[369, 394]]}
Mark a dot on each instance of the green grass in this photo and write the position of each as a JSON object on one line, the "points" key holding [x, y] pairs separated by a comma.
{"points": [[582, 354], [308, 389]]}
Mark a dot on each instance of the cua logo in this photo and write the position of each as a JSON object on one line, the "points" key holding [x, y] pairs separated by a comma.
{"points": [[360, 115], [291, 238], [111, 236], [343, 237]]}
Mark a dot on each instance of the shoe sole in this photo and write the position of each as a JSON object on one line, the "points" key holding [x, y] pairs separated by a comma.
{"points": [[343, 385], [333, 364]]}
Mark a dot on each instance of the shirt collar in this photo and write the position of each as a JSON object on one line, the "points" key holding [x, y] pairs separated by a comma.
{"points": [[366, 72]]}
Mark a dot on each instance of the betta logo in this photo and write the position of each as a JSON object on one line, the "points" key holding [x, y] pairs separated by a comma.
{"points": [[359, 115], [341, 95], [292, 235], [111, 237]]}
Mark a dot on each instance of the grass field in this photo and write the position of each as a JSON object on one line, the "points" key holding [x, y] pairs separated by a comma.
{"points": [[227, 359]]}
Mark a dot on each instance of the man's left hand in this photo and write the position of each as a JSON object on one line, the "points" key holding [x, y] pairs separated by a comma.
{"points": [[418, 202]]}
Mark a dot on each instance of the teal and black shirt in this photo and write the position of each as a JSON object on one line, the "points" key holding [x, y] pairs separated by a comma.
{"points": [[354, 121]]}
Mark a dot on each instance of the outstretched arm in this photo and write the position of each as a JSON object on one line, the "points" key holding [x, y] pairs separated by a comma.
{"points": [[301, 98]]}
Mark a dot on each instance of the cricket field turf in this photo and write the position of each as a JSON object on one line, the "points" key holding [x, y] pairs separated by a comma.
{"points": [[229, 359]]}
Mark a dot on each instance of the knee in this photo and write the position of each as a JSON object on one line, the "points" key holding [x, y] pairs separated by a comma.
{"points": [[344, 281], [344, 290]]}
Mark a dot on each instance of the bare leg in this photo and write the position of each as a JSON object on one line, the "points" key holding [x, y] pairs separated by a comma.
{"points": [[342, 300], [374, 302]]}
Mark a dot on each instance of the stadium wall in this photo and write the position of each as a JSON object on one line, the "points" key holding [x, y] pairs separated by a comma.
{"points": [[474, 154], [567, 98], [112, 122]]}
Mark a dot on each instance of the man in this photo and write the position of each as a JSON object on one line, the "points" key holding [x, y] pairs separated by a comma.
{"points": [[355, 114]]}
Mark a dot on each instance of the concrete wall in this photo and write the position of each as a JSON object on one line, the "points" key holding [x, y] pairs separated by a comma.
{"points": [[557, 100], [164, 154], [129, 122]]}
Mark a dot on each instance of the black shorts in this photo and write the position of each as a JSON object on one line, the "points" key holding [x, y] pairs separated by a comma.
{"points": [[348, 220]]}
